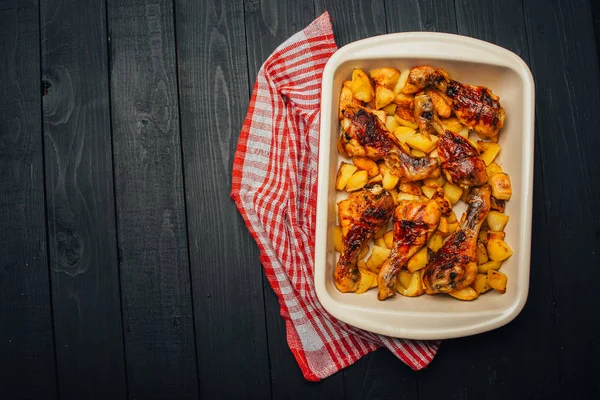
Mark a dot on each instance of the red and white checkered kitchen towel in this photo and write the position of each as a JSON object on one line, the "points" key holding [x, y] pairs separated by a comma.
{"points": [[275, 188]]}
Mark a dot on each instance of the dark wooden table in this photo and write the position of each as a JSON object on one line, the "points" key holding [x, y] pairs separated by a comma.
{"points": [[125, 269]]}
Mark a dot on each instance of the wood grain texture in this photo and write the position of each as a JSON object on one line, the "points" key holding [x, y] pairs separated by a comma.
{"points": [[595, 5], [421, 15], [567, 103], [226, 272], [155, 276], [268, 24], [80, 198], [354, 20], [26, 340], [485, 366]]}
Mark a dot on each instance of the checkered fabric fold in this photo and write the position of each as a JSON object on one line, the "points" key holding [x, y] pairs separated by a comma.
{"points": [[274, 186]]}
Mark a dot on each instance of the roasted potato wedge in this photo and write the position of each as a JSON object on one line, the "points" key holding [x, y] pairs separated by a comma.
{"points": [[498, 250], [497, 221], [338, 242], [501, 187], [383, 96], [366, 164], [405, 117], [361, 86], [497, 280], [467, 294], [418, 260], [387, 77], [357, 181], [345, 172]]}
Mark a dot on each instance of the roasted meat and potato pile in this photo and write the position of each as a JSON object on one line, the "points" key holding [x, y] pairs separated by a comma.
{"points": [[415, 143]]}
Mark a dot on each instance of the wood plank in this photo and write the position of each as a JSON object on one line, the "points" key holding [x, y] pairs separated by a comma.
{"points": [[81, 215], [268, 24], [421, 15], [493, 364], [354, 20], [596, 17], [226, 274], [26, 339], [155, 276], [568, 97]]}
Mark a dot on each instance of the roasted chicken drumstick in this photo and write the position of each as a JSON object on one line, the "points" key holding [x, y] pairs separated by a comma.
{"points": [[460, 160], [475, 106], [367, 136], [361, 215], [414, 222], [454, 265]]}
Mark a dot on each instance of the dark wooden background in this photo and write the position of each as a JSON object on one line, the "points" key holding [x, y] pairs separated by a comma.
{"points": [[125, 270]]}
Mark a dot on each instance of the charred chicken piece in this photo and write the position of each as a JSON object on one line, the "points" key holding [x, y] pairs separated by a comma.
{"points": [[476, 107], [425, 76], [460, 160], [414, 222], [454, 266], [425, 115], [367, 136], [361, 215]]}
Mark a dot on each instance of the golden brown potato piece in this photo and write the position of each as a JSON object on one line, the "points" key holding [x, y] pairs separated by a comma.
{"points": [[390, 123], [497, 221], [388, 238], [498, 250], [357, 181], [401, 81], [361, 86], [387, 77], [422, 142], [410, 187], [482, 256], [453, 192], [467, 294], [452, 124], [345, 171], [366, 280], [418, 261], [413, 288], [347, 100], [497, 280], [490, 151], [383, 96], [484, 268], [501, 187], [366, 164], [337, 239], [481, 284], [495, 235], [406, 117], [404, 100]]}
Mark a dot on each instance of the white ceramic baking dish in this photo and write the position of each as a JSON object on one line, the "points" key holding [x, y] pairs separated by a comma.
{"points": [[470, 61]]}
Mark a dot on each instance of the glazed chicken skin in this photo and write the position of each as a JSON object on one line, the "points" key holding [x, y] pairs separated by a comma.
{"points": [[361, 215], [425, 115], [367, 136], [454, 265], [414, 223], [460, 160], [476, 107]]}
